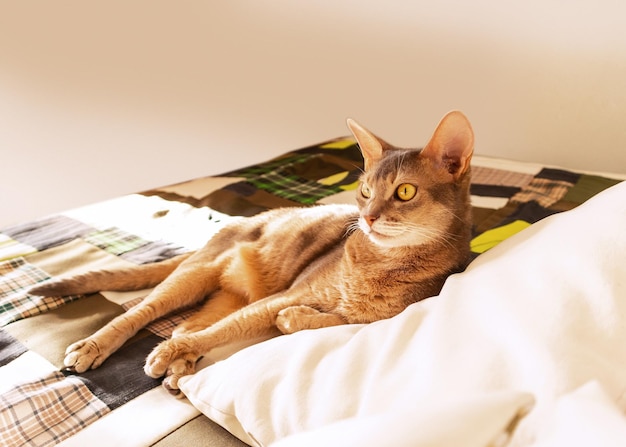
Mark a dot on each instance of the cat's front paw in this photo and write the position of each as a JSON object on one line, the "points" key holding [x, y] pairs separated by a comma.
{"points": [[172, 360], [295, 318], [83, 355]]}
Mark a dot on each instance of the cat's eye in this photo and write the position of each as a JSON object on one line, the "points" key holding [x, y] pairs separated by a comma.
{"points": [[365, 191], [406, 191]]}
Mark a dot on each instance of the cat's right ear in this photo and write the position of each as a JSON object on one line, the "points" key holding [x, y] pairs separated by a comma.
{"points": [[371, 146], [452, 145]]}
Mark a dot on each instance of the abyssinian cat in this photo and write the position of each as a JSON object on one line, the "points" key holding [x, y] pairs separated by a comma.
{"points": [[303, 268]]}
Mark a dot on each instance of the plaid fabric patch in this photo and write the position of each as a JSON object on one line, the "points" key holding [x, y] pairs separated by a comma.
{"points": [[115, 241], [543, 191], [163, 327], [279, 177], [269, 166], [17, 276], [294, 188], [62, 406], [498, 177]]}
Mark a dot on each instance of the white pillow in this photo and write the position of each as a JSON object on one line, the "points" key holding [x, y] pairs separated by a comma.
{"points": [[585, 417], [472, 421], [539, 313]]}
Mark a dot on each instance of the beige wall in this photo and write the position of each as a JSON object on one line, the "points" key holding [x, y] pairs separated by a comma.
{"points": [[96, 101]]}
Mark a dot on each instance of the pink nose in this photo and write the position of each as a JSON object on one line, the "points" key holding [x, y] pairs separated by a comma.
{"points": [[370, 219]]}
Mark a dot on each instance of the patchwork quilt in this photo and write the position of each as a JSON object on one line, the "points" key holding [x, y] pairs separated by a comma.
{"points": [[41, 404]]}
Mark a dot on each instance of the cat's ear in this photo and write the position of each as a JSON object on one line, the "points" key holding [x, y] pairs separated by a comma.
{"points": [[452, 145], [371, 146]]}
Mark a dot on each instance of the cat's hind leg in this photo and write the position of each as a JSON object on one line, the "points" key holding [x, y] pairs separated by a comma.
{"points": [[219, 305], [187, 285]]}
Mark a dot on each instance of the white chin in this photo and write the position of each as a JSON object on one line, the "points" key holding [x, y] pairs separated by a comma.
{"points": [[393, 241], [385, 241]]}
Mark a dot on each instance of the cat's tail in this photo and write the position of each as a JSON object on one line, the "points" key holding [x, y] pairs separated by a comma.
{"points": [[132, 278]]}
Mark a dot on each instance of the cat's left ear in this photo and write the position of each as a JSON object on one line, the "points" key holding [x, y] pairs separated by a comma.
{"points": [[371, 146], [452, 144]]}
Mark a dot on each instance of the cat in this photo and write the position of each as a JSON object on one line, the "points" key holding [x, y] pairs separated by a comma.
{"points": [[303, 268]]}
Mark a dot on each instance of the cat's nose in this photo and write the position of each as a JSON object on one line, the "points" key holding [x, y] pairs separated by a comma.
{"points": [[370, 219]]}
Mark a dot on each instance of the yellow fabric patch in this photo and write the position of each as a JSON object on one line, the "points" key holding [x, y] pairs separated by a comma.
{"points": [[340, 144], [333, 179], [350, 187], [493, 237]]}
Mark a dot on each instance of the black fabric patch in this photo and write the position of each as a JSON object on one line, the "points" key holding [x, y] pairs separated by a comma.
{"points": [[558, 175], [121, 377], [10, 348], [245, 189], [530, 212], [494, 190]]}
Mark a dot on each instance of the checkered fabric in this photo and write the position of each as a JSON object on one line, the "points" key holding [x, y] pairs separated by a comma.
{"points": [[280, 177], [115, 241], [543, 191], [46, 411], [268, 166], [292, 187], [163, 327], [17, 276], [499, 177]]}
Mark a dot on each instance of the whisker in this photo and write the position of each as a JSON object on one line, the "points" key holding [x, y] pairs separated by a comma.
{"points": [[426, 233], [460, 219], [359, 168], [352, 226], [400, 162]]}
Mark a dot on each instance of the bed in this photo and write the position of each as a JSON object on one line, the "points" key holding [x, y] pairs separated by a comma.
{"points": [[523, 348]]}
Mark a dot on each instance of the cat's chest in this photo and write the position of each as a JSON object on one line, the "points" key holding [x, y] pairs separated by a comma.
{"points": [[377, 265], [370, 293], [368, 302]]}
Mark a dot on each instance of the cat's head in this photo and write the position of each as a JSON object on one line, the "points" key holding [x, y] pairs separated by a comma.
{"points": [[410, 197]]}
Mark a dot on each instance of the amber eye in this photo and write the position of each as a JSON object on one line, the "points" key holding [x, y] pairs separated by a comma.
{"points": [[365, 191], [406, 191]]}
